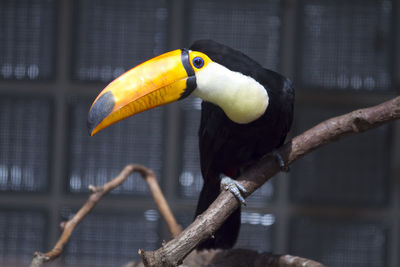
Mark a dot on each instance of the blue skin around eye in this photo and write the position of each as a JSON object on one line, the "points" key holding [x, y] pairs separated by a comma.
{"points": [[198, 65]]}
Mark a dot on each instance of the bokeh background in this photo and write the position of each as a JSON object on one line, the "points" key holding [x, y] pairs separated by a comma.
{"points": [[339, 205]]}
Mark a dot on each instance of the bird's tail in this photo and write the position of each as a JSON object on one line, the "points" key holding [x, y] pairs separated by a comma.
{"points": [[227, 234]]}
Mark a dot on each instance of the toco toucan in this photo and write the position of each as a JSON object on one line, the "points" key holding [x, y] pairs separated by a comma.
{"points": [[247, 111]]}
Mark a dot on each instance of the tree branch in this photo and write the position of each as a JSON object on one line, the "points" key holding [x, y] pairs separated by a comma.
{"points": [[172, 253], [97, 193]]}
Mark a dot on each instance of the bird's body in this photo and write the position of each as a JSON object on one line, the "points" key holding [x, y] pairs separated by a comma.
{"points": [[246, 112], [227, 147]]}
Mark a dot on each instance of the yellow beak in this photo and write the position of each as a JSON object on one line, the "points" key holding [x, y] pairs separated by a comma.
{"points": [[156, 82]]}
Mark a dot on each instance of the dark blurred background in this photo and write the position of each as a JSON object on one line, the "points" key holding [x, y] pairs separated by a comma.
{"points": [[339, 205]]}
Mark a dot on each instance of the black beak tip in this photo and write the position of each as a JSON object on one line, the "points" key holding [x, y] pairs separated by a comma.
{"points": [[100, 110]]}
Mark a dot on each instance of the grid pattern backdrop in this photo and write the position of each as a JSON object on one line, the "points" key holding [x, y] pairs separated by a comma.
{"points": [[339, 205]]}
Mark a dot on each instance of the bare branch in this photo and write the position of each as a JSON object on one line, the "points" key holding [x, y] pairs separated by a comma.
{"points": [[172, 253], [96, 194]]}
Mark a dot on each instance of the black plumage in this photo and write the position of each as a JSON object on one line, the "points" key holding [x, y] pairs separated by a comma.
{"points": [[227, 147]]}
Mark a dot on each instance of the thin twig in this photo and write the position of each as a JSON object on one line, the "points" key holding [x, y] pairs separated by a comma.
{"points": [[172, 253], [162, 205], [96, 194]]}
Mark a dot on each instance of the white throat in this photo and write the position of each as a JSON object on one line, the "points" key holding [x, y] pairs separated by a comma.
{"points": [[241, 97]]}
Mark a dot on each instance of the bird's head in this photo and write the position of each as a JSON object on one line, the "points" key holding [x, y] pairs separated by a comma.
{"points": [[173, 76]]}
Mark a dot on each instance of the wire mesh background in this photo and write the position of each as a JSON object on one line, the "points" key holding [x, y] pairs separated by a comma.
{"points": [[340, 243], [339, 46], [345, 44], [253, 27], [21, 233], [27, 39], [25, 141], [96, 160], [114, 36]]}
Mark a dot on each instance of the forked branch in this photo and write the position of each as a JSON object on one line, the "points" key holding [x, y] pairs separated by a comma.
{"points": [[97, 192]]}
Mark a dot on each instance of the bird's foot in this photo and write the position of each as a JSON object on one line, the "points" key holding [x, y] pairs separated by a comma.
{"points": [[284, 167], [234, 187]]}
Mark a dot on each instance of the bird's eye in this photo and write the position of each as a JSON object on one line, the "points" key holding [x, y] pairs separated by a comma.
{"points": [[198, 62]]}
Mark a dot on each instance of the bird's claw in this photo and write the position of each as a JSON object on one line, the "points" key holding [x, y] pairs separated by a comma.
{"points": [[284, 167], [234, 187]]}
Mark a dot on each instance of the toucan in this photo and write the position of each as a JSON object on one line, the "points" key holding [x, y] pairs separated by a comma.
{"points": [[246, 112]]}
